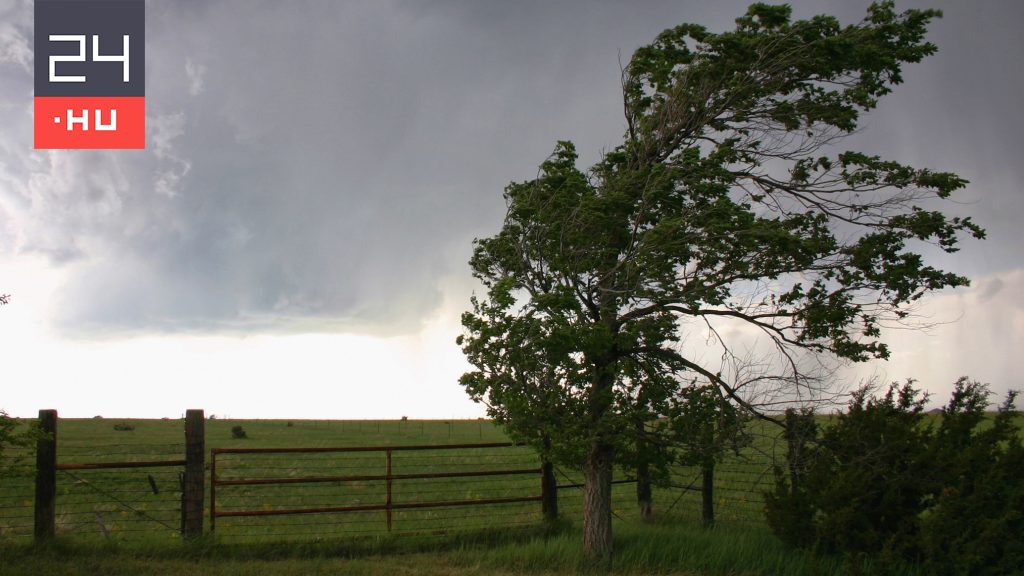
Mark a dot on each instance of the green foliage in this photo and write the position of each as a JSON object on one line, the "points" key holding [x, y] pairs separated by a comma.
{"points": [[977, 516], [706, 426], [873, 473], [8, 436], [15, 435], [882, 480]]}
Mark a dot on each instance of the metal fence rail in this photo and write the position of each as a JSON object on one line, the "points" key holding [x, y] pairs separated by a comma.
{"points": [[420, 486]]}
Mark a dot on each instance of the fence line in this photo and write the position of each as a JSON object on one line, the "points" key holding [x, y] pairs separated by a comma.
{"points": [[126, 487]]}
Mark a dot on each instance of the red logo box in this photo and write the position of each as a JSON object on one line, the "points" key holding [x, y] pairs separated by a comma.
{"points": [[90, 122]]}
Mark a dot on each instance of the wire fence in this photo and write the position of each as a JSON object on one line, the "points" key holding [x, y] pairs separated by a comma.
{"points": [[17, 493], [119, 503], [738, 492], [740, 481]]}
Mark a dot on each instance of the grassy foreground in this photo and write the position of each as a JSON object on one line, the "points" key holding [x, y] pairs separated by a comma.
{"points": [[639, 549], [99, 534]]}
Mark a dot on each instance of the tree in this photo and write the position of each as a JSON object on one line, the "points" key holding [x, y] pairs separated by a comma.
{"points": [[9, 434], [729, 205]]}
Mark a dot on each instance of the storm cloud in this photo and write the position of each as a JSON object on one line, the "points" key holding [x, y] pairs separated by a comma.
{"points": [[324, 166]]}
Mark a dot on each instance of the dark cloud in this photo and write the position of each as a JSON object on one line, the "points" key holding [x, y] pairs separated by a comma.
{"points": [[325, 165]]}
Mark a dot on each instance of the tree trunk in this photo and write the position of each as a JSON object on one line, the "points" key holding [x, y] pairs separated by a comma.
{"points": [[643, 487], [707, 492], [597, 503], [548, 485]]}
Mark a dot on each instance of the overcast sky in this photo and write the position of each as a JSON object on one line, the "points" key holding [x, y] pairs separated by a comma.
{"points": [[293, 241]]}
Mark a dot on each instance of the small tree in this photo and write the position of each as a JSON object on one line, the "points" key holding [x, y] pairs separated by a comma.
{"points": [[788, 508], [707, 426], [727, 203]]}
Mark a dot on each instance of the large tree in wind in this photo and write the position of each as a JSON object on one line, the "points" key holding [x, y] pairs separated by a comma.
{"points": [[731, 200]]}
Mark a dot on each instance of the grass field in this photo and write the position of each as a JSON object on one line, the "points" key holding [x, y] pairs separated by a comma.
{"points": [[126, 521], [125, 504]]}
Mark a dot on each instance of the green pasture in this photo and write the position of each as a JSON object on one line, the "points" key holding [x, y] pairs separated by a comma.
{"points": [[129, 505], [116, 522]]}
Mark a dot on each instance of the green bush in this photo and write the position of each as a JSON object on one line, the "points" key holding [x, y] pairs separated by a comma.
{"points": [[884, 480], [976, 521]]}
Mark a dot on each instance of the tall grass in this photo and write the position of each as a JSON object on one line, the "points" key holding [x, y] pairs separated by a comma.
{"points": [[639, 549]]}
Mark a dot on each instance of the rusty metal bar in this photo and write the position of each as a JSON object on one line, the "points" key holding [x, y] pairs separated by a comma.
{"points": [[371, 478], [466, 474], [301, 480], [360, 448], [370, 507], [140, 464], [447, 503]]}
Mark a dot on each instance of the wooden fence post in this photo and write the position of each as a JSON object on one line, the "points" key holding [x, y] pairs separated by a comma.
{"points": [[548, 485], [194, 481], [46, 477], [387, 501]]}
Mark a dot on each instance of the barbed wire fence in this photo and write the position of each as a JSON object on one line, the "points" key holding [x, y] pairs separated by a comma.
{"points": [[17, 493], [120, 503]]}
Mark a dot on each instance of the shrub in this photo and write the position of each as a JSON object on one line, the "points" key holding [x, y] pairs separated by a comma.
{"points": [[238, 432], [872, 476], [977, 517], [882, 480]]}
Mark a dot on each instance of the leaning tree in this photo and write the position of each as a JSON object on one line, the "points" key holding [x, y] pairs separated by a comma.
{"points": [[730, 201]]}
